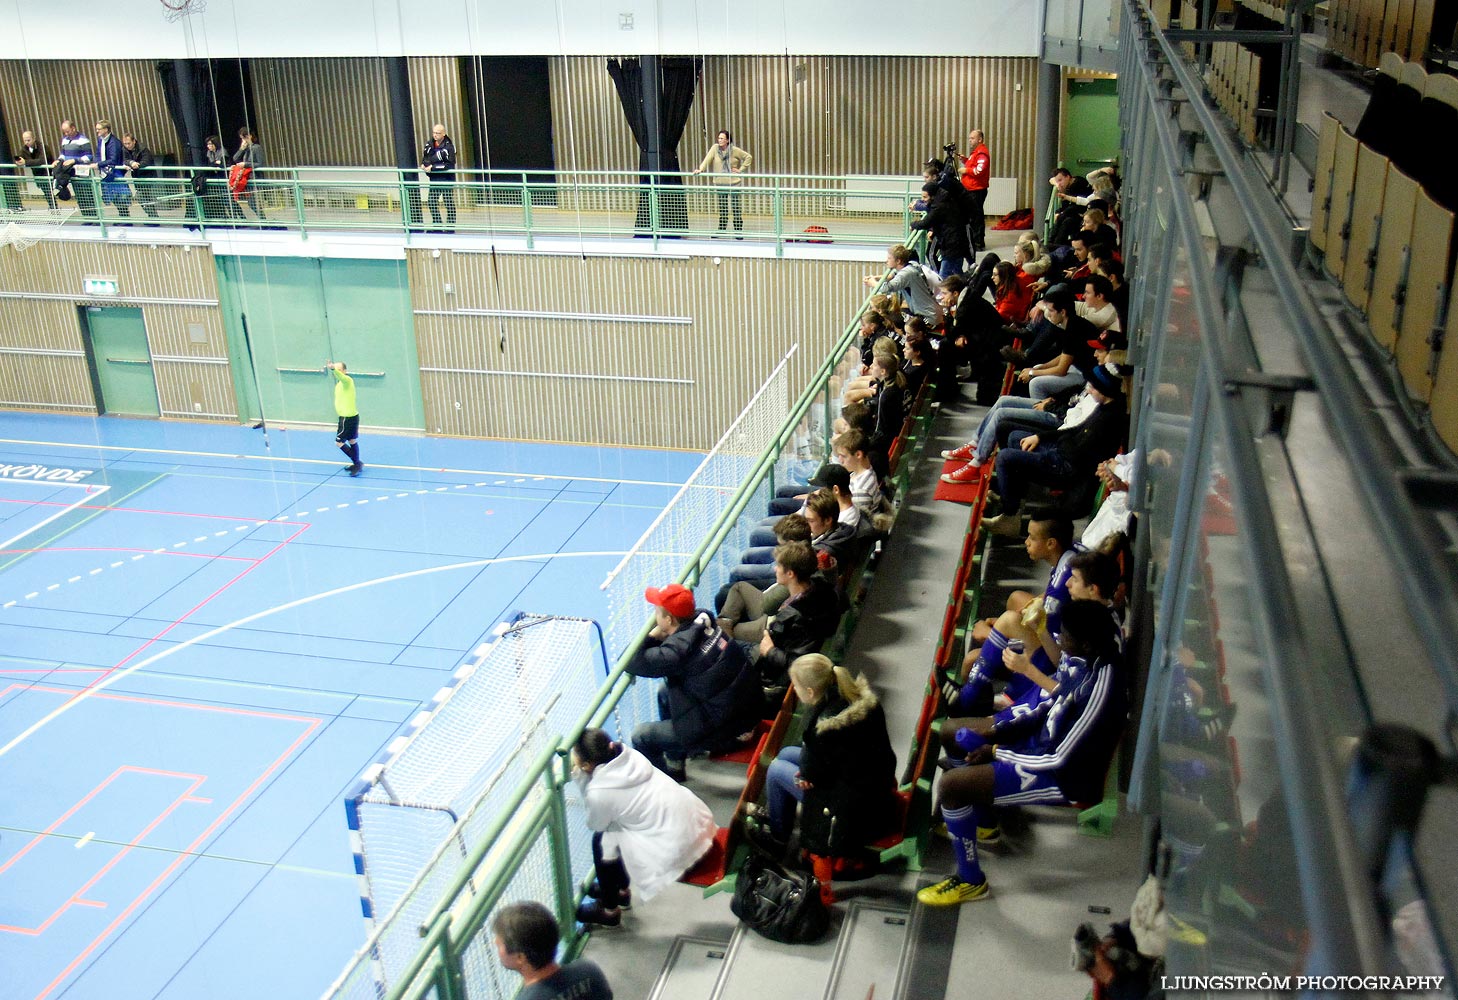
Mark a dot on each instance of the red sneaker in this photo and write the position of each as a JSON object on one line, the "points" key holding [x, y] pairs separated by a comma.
{"points": [[962, 454], [969, 473]]}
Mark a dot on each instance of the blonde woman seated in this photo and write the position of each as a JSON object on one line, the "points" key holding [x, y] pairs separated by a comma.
{"points": [[647, 828], [844, 772]]}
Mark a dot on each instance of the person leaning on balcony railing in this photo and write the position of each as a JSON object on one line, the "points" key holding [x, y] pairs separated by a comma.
{"points": [[206, 188], [75, 159], [138, 161], [33, 156], [726, 162], [909, 282], [250, 154], [438, 159]]}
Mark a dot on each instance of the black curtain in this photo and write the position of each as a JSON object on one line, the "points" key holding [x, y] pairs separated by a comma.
{"points": [[677, 79], [223, 102]]}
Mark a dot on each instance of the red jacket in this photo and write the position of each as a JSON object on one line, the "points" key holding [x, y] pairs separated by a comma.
{"points": [[1013, 307], [979, 169]]}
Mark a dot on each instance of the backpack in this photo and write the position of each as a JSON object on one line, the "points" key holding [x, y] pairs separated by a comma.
{"points": [[780, 904]]}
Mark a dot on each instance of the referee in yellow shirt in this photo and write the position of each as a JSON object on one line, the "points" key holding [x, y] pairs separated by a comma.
{"points": [[347, 436]]}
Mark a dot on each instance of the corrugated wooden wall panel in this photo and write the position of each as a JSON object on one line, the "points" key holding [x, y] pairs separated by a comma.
{"points": [[45, 382], [588, 128], [37, 94], [39, 324], [201, 387], [323, 112], [57, 267], [435, 97], [194, 390], [645, 382], [817, 115]]}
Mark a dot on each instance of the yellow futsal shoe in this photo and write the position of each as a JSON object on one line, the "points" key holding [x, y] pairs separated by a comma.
{"points": [[952, 892]]}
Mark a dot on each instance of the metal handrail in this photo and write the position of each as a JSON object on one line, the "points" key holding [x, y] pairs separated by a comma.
{"points": [[1341, 911], [1431, 594]]}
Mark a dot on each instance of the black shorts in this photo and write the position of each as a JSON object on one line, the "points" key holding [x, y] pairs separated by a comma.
{"points": [[348, 429]]}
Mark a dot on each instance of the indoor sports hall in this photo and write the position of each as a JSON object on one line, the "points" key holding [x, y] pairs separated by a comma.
{"points": [[704, 501]]}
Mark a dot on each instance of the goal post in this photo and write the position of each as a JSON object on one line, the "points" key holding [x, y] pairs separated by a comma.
{"points": [[419, 809]]}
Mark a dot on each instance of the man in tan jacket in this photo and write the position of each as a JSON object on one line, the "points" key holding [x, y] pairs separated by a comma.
{"points": [[725, 161]]}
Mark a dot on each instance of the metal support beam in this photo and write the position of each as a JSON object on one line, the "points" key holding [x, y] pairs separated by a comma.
{"points": [[652, 94], [402, 127], [193, 152], [1045, 135]]}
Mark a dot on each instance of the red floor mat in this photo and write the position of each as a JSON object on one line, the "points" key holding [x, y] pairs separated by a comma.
{"points": [[959, 492]]}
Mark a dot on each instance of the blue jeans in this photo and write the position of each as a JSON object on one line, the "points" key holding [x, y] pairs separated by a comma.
{"points": [[1016, 468], [782, 792], [1007, 411], [759, 574], [1051, 385], [951, 265], [656, 740]]}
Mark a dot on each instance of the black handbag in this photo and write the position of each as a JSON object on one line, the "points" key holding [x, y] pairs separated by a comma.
{"points": [[781, 904]]}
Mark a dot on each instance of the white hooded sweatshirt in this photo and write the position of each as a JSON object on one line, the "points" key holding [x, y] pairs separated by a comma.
{"points": [[658, 827]]}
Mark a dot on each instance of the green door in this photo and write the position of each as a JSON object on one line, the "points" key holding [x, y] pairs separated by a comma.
{"points": [[301, 312], [123, 362], [1090, 124]]}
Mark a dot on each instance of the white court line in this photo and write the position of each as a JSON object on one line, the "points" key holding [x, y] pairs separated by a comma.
{"points": [[163, 654], [335, 463], [93, 493]]}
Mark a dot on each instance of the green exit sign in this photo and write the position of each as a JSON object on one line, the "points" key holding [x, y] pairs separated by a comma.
{"points": [[101, 285]]}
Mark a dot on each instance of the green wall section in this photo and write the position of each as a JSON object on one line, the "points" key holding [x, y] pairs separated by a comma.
{"points": [[1091, 124], [303, 311]]}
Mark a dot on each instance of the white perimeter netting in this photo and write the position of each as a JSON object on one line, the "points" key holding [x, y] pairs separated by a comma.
{"points": [[423, 811], [666, 548]]}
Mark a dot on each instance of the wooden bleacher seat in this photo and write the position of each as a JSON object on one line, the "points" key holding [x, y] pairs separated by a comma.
{"points": [[1390, 270], [1321, 192], [1402, 37], [1388, 42], [1338, 224], [1367, 192], [1427, 289], [1443, 404]]}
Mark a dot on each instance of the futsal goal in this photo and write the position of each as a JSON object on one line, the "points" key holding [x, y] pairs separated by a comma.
{"points": [[440, 788]]}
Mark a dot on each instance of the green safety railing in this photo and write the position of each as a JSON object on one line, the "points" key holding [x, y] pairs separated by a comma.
{"points": [[456, 928], [775, 208]]}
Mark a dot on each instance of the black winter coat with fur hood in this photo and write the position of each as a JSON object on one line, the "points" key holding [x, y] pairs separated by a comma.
{"points": [[851, 768]]}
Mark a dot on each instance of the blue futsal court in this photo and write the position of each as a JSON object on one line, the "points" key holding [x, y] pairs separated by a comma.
{"points": [[204, 640]]}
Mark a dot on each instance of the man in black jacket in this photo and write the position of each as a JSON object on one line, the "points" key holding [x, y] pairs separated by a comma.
{"points": [[1058, 458], [710, 694], [438, 159], [32, 156], [947, 222], [138, 160]]}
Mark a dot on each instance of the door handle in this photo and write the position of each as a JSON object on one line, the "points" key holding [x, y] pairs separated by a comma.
{"points": [[128, 361], [320, 371]]}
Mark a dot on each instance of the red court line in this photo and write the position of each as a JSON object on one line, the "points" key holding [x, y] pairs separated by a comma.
{"points": [[253, 519], [189, 613], [262, 713], [195, 781], [310, 724], [186, 853], [117, 548]]}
